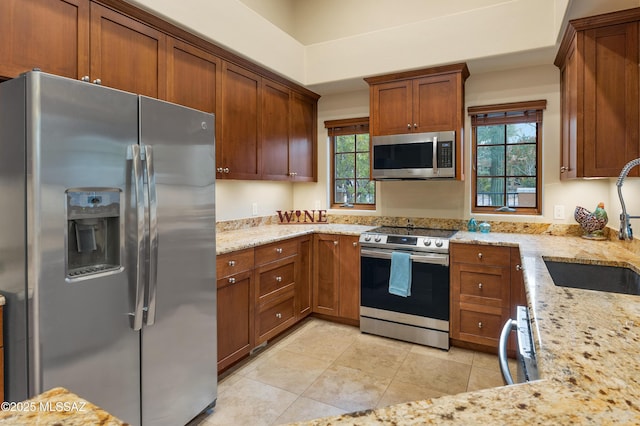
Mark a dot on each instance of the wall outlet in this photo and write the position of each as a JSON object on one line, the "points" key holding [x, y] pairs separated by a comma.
{"points": [[558, 212], [316, 205], [254, 209]]}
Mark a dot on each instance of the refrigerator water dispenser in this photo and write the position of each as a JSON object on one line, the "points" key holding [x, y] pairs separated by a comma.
{"points": [[93, 231]]}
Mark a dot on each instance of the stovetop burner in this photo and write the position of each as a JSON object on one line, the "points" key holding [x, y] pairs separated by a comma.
{"points": [[408, 239], [418, 232]]}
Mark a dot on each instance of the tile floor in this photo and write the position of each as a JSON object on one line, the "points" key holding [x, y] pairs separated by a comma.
{"points": [[322, 369]]}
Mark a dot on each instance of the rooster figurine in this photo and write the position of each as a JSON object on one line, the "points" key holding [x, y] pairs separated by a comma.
{"points": [[592, 223]]}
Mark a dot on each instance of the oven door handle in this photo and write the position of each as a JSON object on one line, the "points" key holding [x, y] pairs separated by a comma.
{"points": [[431, 258]]}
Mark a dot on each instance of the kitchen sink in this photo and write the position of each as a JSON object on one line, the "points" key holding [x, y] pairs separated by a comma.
{"points": [[612, 279]]}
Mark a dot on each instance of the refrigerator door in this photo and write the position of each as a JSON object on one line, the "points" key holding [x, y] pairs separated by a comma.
{"points": [[179, 368], [78, 138]]}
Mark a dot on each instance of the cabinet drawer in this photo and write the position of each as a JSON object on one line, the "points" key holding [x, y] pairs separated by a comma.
{"points": [[276, 251], [483, 285], [480, 254], [275, 315], [481, 324], [273, 279], [233, 263]]}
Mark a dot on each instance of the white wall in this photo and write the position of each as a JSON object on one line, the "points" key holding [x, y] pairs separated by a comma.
{"points": [[450, 199], [235, 198]]}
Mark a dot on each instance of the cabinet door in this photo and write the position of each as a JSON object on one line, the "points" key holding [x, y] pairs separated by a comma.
{"points": [[303, 159], [611, 99], [518, 293], [569, 115], [275, 131], [127, 54], [326, 274], [235, 304], [434, 103], [52, 35], [192, 76], [303, 281], [391, 108], [349, 278], [238, 149]]}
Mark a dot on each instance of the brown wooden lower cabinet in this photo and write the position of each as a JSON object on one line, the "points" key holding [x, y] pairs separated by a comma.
{"points": [[336, 284], [480, 294], [235, 307]]}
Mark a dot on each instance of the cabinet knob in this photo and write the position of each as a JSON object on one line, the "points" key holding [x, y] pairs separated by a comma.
{"points": [[355, 244], [480, 324], [279, 279], [409, 126], [479, 255], [225, 170], [232, 280], [293, 174], [564, 169], [480, 286], [279, 250], [278, 315], [415, 125], [220, 170], [97, 81], [335, 243], [519, 268], [232, 263], [85, 78]]}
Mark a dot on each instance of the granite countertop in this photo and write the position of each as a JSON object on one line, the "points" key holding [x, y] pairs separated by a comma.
{"points": [[56, 406], [229, 241], [587, 342]]}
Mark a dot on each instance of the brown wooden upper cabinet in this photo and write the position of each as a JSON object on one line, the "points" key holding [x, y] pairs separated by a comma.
{"points": [[192, 76], [268, 130], [52, 35], [599, 85], [427, 100], [265, 126]]}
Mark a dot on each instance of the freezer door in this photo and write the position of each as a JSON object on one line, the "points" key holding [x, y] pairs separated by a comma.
{"points": [[78, 137], [179, 368]]}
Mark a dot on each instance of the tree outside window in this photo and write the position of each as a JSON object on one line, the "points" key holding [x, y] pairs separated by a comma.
{"points": [[507, 157], [351, 164]]}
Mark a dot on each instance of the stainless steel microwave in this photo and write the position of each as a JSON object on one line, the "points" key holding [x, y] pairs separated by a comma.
{"points": [[414, 156]]}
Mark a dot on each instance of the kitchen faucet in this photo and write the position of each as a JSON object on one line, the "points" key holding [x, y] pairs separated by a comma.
{"points": [[625, 226]]}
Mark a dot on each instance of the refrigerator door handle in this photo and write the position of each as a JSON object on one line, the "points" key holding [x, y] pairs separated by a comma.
{"points": [[138, 186], [153, 237]]}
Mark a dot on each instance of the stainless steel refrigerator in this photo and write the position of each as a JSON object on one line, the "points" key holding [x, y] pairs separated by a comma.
{"points": [[107, 248]]}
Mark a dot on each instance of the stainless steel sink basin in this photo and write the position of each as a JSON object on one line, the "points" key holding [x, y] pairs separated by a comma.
{"points": [[612, 279]]}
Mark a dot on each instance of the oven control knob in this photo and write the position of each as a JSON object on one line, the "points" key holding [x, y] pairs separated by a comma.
{"points": [[378, 238], [427, 242], [438, 243], [367, 237]]}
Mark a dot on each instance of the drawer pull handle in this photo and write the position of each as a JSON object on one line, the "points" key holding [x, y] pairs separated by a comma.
{"points": [[355, 244], [480, 324], [232, 263], [335, 243], [480, 286], [279, 250], [279, 279], [232, 280], [278, 315], [479, 255]]}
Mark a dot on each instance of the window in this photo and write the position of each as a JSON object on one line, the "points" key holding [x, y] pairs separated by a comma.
{"points": [[507, 160], [351, 184]]}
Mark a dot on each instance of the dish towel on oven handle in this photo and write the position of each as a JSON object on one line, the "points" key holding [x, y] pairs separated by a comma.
{"points": [[400, 279]]}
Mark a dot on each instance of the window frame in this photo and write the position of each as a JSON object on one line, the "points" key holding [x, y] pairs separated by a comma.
{"points": [[502, 115], [344, 127]]}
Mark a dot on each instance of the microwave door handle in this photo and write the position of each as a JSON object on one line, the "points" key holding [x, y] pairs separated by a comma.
{"points": [[435, 156]]}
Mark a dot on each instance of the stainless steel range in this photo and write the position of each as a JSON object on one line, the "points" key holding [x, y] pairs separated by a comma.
{"points": [[423, 316]]}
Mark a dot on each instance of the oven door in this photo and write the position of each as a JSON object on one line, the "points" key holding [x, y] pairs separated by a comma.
{"points": [[429, 284]]}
